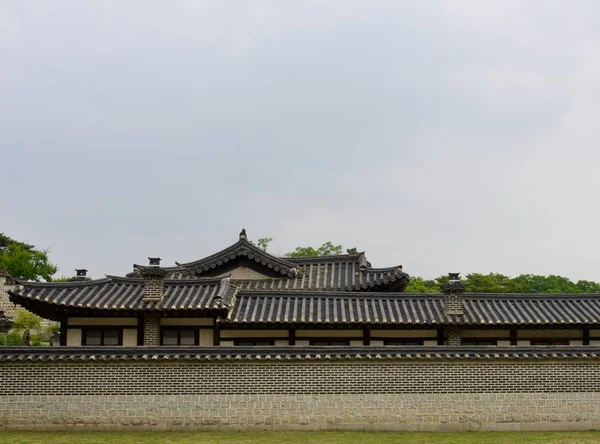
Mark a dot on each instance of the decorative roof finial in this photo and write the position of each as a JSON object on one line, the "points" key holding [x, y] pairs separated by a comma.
{"points": [[81, 272], [243, 234]]}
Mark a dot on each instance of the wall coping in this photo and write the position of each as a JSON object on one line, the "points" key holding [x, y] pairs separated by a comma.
{"points": [[299, 353]]}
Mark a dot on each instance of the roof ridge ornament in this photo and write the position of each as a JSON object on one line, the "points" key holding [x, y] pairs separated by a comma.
{"points": [[243, 235]]}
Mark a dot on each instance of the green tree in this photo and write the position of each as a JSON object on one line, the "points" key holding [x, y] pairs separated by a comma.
{"points": [[22, 260], [420, 285], [263, 243], [25, 320], [487, 283], [327, 249]]}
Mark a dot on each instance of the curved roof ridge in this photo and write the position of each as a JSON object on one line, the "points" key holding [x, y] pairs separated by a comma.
{"points": [[241, 248], [338, 294], [66, 284]]}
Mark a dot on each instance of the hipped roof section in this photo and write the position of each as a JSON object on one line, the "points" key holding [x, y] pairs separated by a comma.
{"points": [[344, 272], [412, 309], [115, 293]]}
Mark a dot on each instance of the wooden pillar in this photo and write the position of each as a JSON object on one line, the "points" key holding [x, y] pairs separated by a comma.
{"points": [[292, 336], [63, 330], [513, 336], [140, 329], [216, 334], [367, 336], [440, 336], [586, 336]]}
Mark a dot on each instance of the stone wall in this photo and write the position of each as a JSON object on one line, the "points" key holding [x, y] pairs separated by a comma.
{"points": [[250, 395]]}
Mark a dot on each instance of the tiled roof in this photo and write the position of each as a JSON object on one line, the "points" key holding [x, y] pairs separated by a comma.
{"points": [[117, 293], [311, 353], [413, 309], [240, 248], [343, 272], [5, 323], [256, 306]]}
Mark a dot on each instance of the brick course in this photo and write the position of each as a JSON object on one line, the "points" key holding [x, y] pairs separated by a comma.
{"points": [[448, 395]]}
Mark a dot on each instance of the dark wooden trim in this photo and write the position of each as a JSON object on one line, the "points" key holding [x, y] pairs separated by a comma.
{"points": [[586, 336], [292, 336], [409, 341], [266, 341], [441, 336], [513, 336], [344, 340], [366, 336], [63, 331]]}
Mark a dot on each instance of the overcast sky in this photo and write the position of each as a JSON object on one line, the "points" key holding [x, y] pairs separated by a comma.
{"points": [[443, 136]]}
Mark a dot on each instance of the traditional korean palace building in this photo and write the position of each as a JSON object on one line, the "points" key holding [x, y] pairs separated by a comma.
{"points": [[244, 296]]}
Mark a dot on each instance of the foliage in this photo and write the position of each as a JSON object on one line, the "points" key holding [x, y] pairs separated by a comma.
{"points": [[61, 279], [36, 340], [13, 338], [23, 260], [499, 283], [25, 320], [2, 340], [327, 249], [263, 243]]}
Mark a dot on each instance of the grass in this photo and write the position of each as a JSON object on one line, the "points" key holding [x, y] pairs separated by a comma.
{"points": [[298, 437]]}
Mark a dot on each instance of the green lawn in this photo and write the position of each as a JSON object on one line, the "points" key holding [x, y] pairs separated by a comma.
{"points": [[298, 437]]}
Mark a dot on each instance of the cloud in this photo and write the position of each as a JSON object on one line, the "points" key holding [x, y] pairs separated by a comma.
{"points": [[445, 136]]}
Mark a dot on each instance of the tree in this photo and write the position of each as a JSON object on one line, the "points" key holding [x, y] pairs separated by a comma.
{"points": [[25, 320], [499, 283], [420, 285], [263, 243], [22, 260], [327, 249]]}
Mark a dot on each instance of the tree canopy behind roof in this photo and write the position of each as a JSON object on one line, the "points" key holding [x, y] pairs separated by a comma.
{"points": [[22, 260], [327, 249], [499, 283]]}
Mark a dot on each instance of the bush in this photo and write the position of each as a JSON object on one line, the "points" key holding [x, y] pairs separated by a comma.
{"points": [[36, 340], [2, 339], [13, 338]]}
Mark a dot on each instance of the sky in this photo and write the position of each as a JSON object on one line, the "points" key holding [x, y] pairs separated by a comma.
{"points": [[446, 136]]}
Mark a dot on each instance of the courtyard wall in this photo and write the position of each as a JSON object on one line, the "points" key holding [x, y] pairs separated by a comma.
{"points": [[216, 388]]}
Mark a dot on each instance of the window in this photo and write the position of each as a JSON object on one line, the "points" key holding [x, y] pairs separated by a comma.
{"points": [[400, 341], [329, 342], [179, 336], [257, 342], [102, 336], [549, 342], [479, 342]]}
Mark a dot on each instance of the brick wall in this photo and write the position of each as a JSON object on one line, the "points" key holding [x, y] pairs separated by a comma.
{"points": [[152, 329], [391, 395], [6, 305]]}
